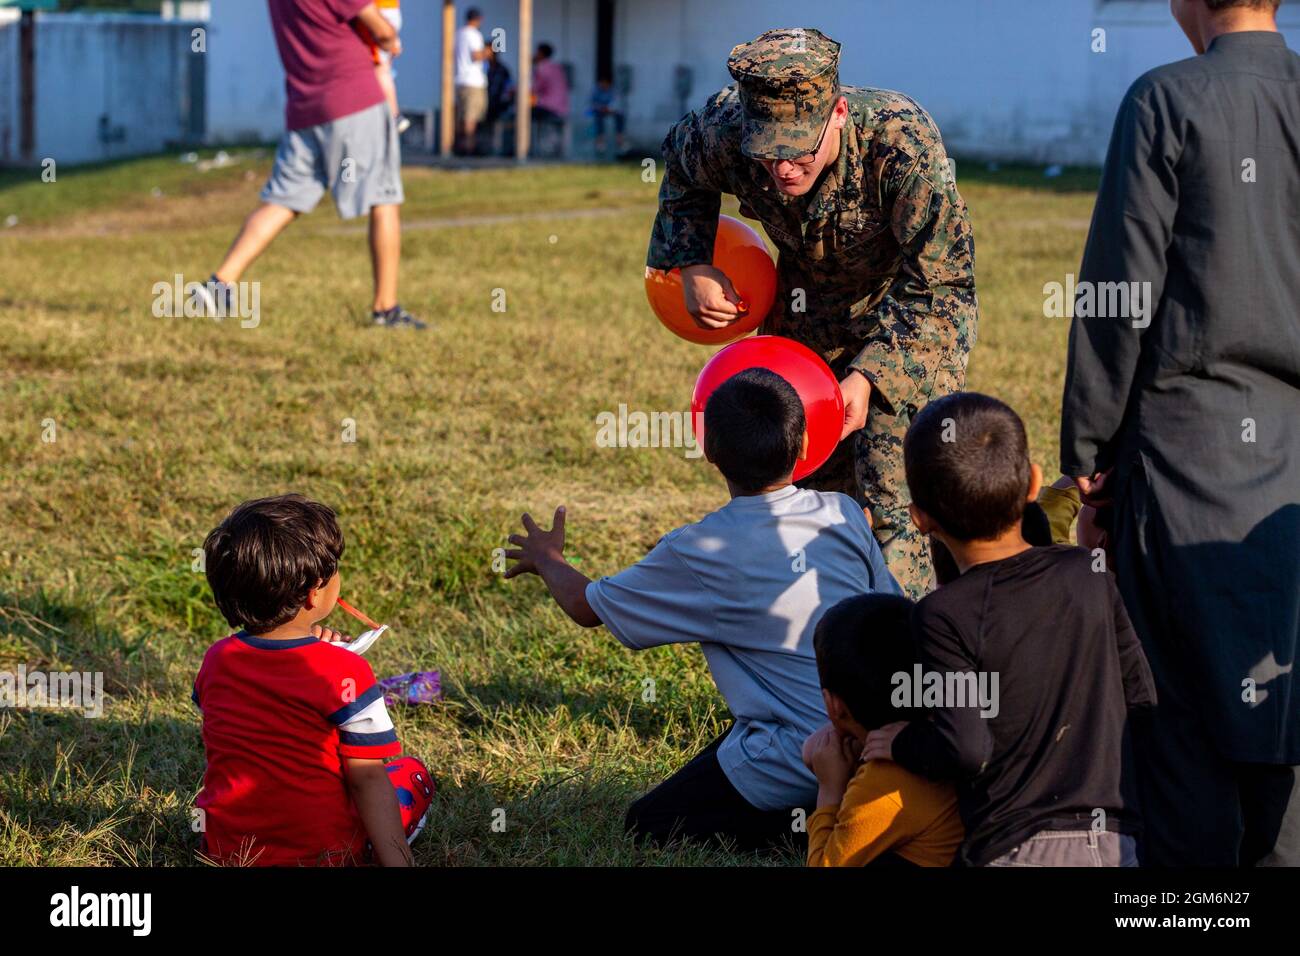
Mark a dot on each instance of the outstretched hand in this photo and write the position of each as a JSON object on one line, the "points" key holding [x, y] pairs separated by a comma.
{"points": [[536, 546]]}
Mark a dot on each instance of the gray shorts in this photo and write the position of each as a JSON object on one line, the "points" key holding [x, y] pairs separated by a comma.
{"points": [[356, 157]]}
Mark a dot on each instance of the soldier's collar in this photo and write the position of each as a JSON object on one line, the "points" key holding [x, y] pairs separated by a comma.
{"points": [[839, 186]]}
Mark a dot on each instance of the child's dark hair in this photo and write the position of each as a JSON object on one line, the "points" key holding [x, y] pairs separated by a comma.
{"points": [[967, 463], [268, 553], [861, 643], [753, 429]]}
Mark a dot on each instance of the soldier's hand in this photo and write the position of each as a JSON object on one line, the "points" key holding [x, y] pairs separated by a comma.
{"points": [[710, 297], [856, 389]]}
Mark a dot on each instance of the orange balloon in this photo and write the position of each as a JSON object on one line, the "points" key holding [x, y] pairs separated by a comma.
{"points": [[740, 253]]}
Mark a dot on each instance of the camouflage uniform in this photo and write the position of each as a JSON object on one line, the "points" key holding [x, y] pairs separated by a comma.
{"points": [[875, 264]]}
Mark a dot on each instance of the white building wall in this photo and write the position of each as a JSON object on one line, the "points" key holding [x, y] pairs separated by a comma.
{"points": [[245, 79], [133, 71], [1013, 79]]}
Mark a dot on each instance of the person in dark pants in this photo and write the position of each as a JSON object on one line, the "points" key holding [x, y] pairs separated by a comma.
{"points": [[1180, 415], [698, 804]]}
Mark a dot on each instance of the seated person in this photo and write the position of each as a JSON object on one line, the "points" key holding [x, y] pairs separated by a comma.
{"points": [[300, 748], [874, 812], [747, 583], [605, 110]]}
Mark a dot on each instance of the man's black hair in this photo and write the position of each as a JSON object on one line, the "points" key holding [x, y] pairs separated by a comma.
{"points": [[472, 14], [861, 643], [967, 463], [753, 429], [545, 50]]}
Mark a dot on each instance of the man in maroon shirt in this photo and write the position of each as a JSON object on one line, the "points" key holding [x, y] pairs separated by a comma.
{"points": [[339, 136]]}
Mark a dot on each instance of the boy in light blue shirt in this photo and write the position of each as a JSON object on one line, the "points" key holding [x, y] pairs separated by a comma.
{"points": [[748, 584]]}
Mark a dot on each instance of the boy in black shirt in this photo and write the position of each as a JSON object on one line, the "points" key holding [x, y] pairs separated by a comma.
{"points": [[1037, 762]]}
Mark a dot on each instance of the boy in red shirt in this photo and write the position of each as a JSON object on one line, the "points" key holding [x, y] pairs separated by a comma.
{"points": [[294, 725]]}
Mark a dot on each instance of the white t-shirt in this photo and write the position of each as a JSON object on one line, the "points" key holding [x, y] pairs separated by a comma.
{"points": [[469, 71], [748, 583]]}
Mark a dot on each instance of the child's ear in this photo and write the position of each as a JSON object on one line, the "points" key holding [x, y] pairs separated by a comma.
{"points": [[313, 596], [923, 522], [835, 708], [1035, 482], [803, 446]]}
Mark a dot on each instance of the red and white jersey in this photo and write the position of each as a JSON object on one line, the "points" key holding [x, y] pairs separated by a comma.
{"points": [[279, 716]]}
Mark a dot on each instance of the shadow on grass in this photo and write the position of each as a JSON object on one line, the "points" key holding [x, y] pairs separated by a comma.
{"points": [[52, 631], [574, 820], [119, 792], [97, 791], [613, 710]]}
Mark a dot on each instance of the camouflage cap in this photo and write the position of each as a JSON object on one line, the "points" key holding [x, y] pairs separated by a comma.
{"points": [[788, 81]]}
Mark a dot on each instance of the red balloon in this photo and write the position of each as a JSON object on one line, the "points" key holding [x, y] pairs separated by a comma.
{"points": [[742, 256], [812, 378]]}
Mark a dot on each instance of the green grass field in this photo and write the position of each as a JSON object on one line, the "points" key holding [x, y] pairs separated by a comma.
{"points": [[163, 424]]}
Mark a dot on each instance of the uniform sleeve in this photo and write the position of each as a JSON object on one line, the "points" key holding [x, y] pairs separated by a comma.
{"points": [[656, 601], [1132, 225], [1062, 506], [355, 705], [870, 821], [690, 198], [1139, 685], [955, 742], [927, 318]]}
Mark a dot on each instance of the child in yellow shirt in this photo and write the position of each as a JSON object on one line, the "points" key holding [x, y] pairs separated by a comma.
{"points": [[874, 812]]}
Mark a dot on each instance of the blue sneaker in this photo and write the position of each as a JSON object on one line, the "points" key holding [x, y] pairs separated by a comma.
{"points": [[397, 318]]}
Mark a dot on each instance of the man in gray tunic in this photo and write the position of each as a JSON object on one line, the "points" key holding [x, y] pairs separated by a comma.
{"points": [[1182, 411]]}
